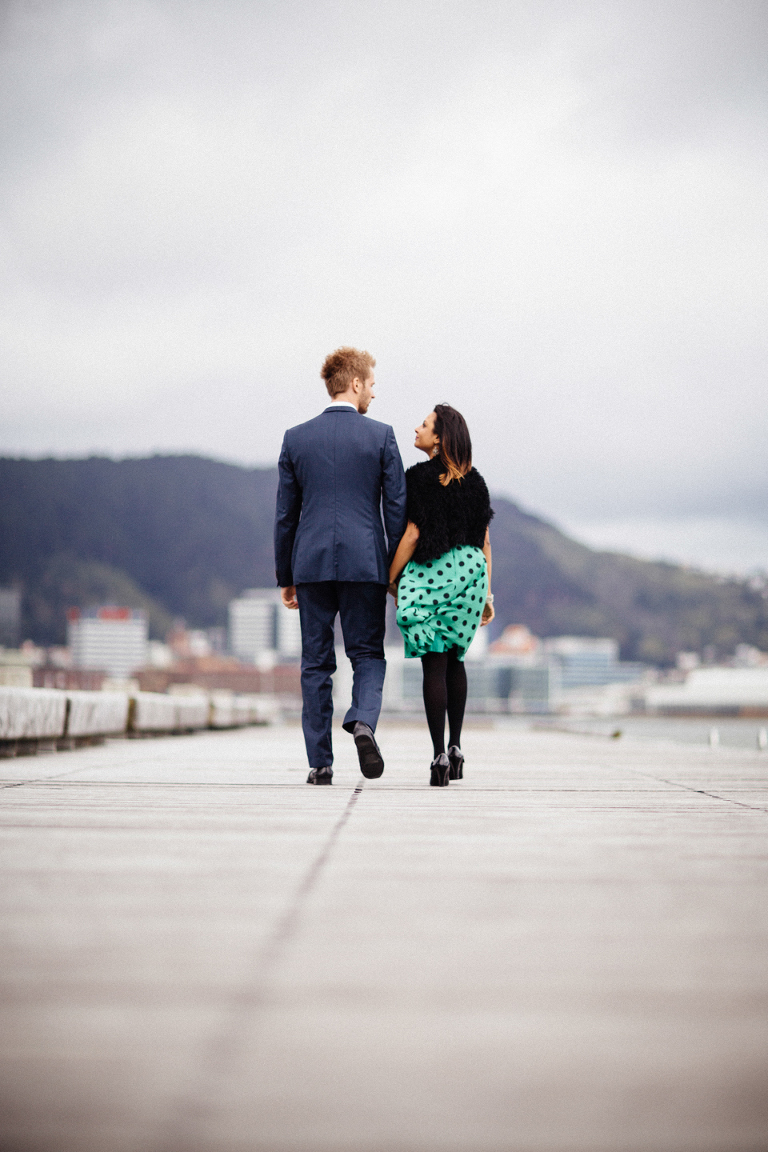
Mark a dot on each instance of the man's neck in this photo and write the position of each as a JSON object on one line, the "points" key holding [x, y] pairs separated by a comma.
{"points": [[346, 398]]}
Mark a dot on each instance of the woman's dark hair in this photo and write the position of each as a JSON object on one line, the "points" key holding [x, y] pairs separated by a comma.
{"points": [[455, 444]]}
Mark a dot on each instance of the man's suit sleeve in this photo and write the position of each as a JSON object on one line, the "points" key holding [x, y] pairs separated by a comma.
{"points": [[287, 514], [393, 494]]}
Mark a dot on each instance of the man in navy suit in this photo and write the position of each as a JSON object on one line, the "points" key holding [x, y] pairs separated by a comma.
{"points": [[337, 474]]}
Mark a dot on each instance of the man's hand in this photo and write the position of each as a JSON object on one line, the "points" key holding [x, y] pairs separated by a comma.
{"points": [[289, 596]]}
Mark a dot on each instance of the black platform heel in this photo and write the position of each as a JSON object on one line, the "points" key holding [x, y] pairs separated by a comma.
{"points": [[440, 770], [456, 758]]}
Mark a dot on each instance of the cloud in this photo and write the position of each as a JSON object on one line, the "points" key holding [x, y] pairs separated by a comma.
{"points": [[550, 215]]}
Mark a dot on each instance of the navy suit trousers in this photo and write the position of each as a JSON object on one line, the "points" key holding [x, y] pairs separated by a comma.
{"points": [[362, 608]]}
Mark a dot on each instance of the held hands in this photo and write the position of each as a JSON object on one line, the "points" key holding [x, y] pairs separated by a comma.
{"points": [[288, 596], [392, 589]]}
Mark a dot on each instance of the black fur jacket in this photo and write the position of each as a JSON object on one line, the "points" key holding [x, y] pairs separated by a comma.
{"points": [[446, 517]]}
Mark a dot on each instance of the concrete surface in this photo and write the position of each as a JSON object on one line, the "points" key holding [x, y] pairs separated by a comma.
{"points": [[565, 952]]}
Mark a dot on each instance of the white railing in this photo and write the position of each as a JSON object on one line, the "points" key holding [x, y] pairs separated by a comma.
{"points": [[32, 716]]}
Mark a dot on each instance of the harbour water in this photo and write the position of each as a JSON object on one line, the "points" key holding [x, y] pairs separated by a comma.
{"points": [[724, 732]]}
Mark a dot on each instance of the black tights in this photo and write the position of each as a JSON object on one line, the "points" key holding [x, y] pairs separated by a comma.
{"points": [[445, 689]]}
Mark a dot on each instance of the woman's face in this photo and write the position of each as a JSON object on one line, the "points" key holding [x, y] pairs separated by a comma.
{"points": [[425, 435]]}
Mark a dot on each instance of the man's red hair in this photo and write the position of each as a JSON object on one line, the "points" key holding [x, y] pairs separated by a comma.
{"points": [[342, 366]]}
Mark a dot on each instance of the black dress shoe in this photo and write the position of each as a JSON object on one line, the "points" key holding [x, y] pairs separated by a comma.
{"points": [[440, 771], [320, 776], [368, 751], [456, 758]]}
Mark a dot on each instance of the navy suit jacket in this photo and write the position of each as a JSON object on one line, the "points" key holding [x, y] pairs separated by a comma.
{"points": [[337, 474]]}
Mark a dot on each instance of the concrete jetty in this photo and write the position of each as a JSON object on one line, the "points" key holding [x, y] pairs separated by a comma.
{"points": [[566, 952]]}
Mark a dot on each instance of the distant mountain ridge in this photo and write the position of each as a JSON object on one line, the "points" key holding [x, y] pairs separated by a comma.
{"points": [[183, 535]]}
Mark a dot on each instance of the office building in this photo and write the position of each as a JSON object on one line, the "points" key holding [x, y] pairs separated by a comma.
{"points": [[589, 662], [108, 639], [10, 617], [288, 633], [521, 674], [262, 629]]}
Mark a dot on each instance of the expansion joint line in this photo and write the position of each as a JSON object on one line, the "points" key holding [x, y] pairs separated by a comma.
{"points": [[698, 791], [286, 926], [38, 779], [723, 799]]}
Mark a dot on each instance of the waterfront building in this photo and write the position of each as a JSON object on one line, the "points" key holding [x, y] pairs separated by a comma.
{"points": [[15, 669], [261, 629], [516, 640], [590, 662], [520, 674], [288, 633], [110, 639], [253, 624], [10, 617]]}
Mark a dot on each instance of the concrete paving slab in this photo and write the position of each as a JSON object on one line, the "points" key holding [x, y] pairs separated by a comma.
{"points": [[566, 951]]}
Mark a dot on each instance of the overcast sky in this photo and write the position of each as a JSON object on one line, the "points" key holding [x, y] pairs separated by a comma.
{"points": [[551, 215]]}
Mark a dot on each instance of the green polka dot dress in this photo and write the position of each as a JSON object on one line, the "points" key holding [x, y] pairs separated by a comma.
{"points": [[440, 603]]}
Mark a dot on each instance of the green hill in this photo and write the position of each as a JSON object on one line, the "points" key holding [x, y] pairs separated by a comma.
{"points": [[183, 535]]}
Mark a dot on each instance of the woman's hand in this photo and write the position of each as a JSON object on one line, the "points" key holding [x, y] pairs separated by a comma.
{"points": [[488, 612], [392, 589]]}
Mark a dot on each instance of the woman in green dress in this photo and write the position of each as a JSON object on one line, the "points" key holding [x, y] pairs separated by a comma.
{"points": [[441, 576]]}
